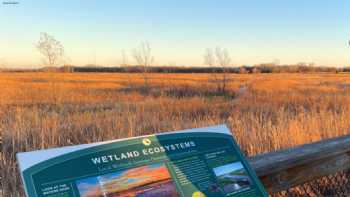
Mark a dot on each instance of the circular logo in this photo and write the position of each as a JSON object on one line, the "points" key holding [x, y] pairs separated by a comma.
{"points": [[198, 194], [146, 142]]}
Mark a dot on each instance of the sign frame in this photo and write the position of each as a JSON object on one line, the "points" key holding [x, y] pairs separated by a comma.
{"points": [[223, 169]]}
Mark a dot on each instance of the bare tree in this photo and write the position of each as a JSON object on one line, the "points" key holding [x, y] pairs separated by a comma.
{"points": [[209, 57], [124, 59], [143, 57], [224, 60], [222, 57], [219, 58], [51, 49]]}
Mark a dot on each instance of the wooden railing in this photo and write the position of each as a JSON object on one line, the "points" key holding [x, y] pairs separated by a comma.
{"points": [[288, 168]]}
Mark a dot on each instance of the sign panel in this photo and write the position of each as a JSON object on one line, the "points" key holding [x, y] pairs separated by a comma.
{"points": [[197, 163]]}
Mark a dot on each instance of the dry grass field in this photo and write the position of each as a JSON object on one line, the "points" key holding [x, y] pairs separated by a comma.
{"points": [[265, 112]]}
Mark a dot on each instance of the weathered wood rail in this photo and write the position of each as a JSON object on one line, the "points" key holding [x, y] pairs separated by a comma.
{"points": [[291, 167]]}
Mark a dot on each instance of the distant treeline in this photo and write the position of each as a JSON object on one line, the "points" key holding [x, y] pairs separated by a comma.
{"points": [[239, 70], [174, 69]]}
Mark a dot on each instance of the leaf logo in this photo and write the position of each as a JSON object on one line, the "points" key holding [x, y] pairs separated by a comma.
{"points": [[198, 194], [146, 142]]}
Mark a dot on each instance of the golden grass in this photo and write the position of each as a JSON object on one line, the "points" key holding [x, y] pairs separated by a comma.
{"points": [[265, 112]]}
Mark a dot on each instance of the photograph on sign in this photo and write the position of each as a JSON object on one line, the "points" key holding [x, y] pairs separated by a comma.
{"points": [[233, 177], [150, 180]]}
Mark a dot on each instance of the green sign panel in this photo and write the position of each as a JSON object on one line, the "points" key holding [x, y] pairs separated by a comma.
{"points": [[196, 163]]}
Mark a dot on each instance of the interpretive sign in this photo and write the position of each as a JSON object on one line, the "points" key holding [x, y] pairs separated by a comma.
{"points": [[196, 163]]}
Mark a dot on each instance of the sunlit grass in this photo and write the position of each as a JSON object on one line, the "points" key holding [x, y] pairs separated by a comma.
{"points": [[265, 112]]}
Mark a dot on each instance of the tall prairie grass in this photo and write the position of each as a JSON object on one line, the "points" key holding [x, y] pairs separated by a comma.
{"points": [[265, 112]]}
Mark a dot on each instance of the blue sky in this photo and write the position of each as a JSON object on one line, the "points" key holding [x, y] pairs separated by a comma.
{"points": [[179, 31]]}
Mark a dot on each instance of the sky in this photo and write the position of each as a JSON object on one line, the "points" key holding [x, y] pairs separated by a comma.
{"points": [[179, 31]]}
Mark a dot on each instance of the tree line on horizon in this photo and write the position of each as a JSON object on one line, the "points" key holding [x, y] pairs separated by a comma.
{"points": [[261, 68]]}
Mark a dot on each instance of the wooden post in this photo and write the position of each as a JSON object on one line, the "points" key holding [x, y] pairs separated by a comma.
{"points": [[291, 167]]}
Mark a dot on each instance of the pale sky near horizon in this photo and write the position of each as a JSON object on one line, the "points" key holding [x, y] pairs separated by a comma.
{"points": [[179, 31]]}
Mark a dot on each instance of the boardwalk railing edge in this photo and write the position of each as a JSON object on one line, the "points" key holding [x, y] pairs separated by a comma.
{"points": [[287, 168]]}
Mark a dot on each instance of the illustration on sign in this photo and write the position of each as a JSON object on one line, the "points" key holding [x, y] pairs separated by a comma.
{"points": [[201, 162]]}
